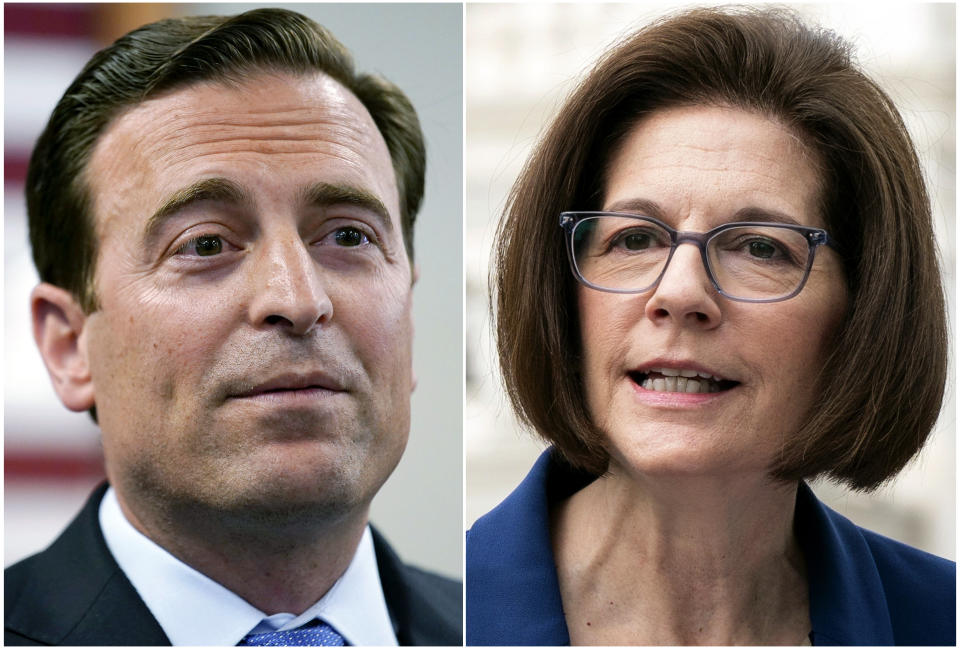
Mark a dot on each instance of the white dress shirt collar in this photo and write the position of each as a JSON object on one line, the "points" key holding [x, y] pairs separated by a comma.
{"points": [[192, 609]]}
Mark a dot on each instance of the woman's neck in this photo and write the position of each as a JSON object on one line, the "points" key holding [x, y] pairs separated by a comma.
{"points": [[681, 560]]}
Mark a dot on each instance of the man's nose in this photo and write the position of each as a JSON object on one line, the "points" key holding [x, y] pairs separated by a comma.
{"points": [[685, 295], [289, 291]]}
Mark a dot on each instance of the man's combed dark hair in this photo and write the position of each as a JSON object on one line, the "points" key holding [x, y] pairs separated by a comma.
{"points": [[880, 390], [169, 54]]}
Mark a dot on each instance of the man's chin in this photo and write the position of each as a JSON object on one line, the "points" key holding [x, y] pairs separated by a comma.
{"points": [[261, 493], [315, 485], [278, 505], [288, 515]]}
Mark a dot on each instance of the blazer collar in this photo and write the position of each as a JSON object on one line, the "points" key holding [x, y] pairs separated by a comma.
{"points": [[425, 609], [513, 595], [78, 579], [847, 601]]}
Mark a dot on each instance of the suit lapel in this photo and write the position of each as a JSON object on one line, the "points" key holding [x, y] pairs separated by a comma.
{"points": [[74, 592], [426, 609]]}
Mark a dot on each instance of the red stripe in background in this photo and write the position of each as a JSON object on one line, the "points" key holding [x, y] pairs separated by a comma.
{"points": [[15, 167], [48, 20], [51, 465]]}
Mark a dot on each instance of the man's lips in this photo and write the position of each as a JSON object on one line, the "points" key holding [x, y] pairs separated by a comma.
{"points": [[311, 383]]}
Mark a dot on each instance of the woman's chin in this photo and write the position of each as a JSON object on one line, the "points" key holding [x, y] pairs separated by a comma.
{"points": [[645, 459]]}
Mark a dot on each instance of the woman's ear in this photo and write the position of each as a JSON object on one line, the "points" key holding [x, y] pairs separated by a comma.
{"points": [[58, 323]]}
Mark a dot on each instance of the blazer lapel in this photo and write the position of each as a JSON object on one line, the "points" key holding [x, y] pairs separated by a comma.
{"points": [[426, 609], [74, 593], [847, 601]]}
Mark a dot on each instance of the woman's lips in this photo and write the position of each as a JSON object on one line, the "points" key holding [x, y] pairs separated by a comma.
{"points": [[685, 380]]}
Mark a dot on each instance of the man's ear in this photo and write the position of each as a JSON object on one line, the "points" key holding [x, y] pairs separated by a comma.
{"points": [[58, 323]]}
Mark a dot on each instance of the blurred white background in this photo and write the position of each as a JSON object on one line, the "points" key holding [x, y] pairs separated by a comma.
{"points": [[52, 455], [523, 60]]}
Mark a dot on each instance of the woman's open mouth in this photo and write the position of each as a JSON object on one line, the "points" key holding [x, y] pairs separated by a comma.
{"points": [[680, 380]]}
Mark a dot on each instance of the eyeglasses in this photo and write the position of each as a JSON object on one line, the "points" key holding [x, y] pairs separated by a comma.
{"points": [[747, 262]]}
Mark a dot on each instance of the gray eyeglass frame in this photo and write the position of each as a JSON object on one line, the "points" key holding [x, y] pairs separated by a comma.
{"points": [[815, 237]]}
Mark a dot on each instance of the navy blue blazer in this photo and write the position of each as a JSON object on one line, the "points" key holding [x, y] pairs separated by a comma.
{"points": [[865, 589]]}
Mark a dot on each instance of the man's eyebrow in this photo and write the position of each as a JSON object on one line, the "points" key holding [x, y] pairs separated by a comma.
{"points": [[220, 190], [327, 194]]}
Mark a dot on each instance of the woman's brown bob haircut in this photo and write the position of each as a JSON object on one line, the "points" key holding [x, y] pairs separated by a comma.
{"points": [[882, 385]]}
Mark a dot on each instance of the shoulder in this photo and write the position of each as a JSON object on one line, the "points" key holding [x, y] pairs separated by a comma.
{"points": [[43, 588], [427, 608], [903, 566], [442, 595], [75, 593], [920, 589], [22, 599], [869, 589], [513, 595], [17, 579], [519, 526], [32, 599], [512, 534]]}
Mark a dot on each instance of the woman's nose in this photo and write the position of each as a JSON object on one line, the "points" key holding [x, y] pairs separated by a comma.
{"points": [[685, 294], [289, 289]]}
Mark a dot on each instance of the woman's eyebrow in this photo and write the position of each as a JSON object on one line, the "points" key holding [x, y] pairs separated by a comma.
{"points": [[765, 215], [648, 207], [220, 190], [643, 206]]}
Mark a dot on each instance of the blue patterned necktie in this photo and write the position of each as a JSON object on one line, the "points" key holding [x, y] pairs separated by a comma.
{"points": [[312, 634]]}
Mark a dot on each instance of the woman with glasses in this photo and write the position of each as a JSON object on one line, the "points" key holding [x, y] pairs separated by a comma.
{"points": [[715, 280]]}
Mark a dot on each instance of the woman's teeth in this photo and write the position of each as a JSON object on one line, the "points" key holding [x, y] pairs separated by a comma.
{"points": [[680, 384], [674, 380]]}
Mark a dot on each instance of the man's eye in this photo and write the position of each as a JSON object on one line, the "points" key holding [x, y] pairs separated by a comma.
{"points": [[349, 237], [205, 245]]}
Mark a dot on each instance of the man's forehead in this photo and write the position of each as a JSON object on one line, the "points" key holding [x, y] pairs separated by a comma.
{"points": [[250, 89], [303, 123]]}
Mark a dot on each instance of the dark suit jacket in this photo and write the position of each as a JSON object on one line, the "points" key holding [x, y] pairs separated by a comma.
{"points": [[74, 593], [865, 589]]}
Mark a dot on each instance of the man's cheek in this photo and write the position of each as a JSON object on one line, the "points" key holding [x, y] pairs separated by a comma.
{"points": [[388, 328], [148, 359]]}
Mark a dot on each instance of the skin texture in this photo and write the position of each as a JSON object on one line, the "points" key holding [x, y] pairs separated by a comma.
{"points": [[298, 291], [687, 540]]}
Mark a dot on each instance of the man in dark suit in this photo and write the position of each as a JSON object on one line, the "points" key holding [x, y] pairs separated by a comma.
{"points": [[221, 212]]}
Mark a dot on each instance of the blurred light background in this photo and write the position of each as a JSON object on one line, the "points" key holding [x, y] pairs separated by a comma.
{"points": [[521, 62], [52, 456]]}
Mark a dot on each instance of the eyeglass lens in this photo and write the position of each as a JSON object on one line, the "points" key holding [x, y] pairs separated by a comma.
{"points": [[751, 262]]}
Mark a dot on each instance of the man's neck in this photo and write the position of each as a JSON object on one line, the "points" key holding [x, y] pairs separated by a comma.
{"points": [[276, 566]]}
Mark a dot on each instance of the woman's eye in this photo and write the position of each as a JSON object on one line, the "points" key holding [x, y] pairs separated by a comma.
{"points": [[205, 245], [349, 237], [636, 241], [762, 249]]}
